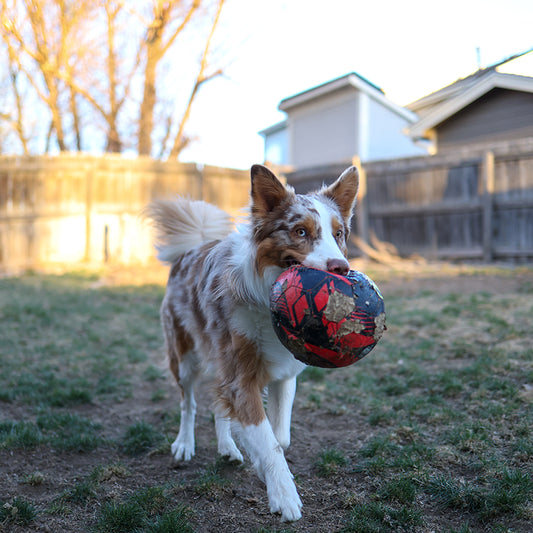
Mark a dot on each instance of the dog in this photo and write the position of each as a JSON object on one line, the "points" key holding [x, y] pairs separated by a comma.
{"points": [[215, 312]]}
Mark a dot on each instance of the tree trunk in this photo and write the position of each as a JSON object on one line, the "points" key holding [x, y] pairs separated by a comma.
{"points": [[146, 116]]}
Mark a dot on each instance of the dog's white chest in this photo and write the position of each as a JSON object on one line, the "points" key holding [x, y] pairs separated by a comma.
{"points": [[255, 324]]}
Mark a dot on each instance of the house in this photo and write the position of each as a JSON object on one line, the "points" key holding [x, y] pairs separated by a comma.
{"points": [[335, 121], [276, 143], [489, 107]]}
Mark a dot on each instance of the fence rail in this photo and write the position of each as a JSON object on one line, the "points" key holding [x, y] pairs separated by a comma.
{"points": [[75, 208], [460, 206]]}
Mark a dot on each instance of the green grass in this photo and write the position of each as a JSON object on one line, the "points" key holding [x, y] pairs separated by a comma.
{"points": [[69, 432], [506, 493], [376, 517], [140, 437], [18, 511], [430, 432], [80, 493], [211, 480], [174, 521], [329, 462], [449, 415], [34, 479], [402, 489], [149, 510], [19, 434], [61, 431], [120, 517], [52, 320]]}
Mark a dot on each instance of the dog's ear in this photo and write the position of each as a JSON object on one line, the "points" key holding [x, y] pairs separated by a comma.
{"points": [[267, 191], [344, 191]]}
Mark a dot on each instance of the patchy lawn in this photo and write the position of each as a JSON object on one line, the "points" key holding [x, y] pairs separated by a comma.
{"points": [[430, 432]]}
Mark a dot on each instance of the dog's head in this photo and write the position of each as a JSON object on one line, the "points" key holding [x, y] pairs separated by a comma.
{"points": [[311, 229]]}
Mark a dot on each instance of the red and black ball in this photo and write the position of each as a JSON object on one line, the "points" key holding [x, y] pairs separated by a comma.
{"points": [[326, 319]]}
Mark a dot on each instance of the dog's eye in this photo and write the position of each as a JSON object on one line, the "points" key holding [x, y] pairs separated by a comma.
{"points": [[301, 232], [339, 234]]}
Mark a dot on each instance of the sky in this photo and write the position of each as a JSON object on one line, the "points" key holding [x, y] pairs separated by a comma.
{"points": [[273, 49]]}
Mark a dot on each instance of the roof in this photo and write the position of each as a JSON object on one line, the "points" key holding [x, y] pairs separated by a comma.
{"points": [[279, 126], [467, 94], [351, 80], [446, 102]]}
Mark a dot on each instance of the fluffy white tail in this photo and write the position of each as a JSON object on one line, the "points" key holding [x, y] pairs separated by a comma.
{"points": [[183, 224]]}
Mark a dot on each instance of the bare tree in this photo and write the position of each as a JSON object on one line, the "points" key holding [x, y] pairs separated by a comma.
{"points": [[42, 31], [87, 60]]}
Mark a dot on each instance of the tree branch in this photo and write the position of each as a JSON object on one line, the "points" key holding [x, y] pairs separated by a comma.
{"points": [[179, 143]]}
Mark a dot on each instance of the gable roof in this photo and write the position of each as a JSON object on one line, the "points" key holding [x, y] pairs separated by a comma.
{"points": [[444, 103], [275, 128], [351, 80]]}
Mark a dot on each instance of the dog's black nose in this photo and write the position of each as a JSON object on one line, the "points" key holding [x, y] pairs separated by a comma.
{"points": [[338, 266]]}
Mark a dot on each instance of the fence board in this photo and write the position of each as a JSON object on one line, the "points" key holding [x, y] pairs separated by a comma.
{"points": [[77, 208], [461, 205]]}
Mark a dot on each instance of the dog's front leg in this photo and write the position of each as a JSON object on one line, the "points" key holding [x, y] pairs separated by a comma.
{"points": [[280, 399], [267, 457], [242, 381]]}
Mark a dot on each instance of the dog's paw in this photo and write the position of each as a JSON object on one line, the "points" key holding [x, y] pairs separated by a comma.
{"points": [[283, 498], [284, 440], [182, 450], [290, 509], [229, 451]]}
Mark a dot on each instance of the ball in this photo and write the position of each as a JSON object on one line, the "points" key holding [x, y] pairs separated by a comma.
{"points": [[326, 319]]}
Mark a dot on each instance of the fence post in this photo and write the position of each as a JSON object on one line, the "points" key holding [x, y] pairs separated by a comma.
{"points": [[362, 205], [88, 210], [487, 199]]}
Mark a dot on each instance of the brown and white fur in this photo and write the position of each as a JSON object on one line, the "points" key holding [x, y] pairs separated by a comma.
{"points": [[216, 312]]}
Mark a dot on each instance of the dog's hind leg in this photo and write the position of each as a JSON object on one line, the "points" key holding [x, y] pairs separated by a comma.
{"points": [[183, 364], [183, 447], [226, 444]]}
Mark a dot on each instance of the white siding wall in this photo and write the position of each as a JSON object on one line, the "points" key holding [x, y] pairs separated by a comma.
{"points": [[324, 131], [385, 139], [276, 147]]}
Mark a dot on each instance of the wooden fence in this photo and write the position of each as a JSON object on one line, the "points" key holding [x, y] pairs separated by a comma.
{"points": [[456, 206], [80, 209]]}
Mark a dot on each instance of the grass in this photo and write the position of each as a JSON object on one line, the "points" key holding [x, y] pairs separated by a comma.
{"points": [[119, 517], [61, 431], [19, 511], [375, 517], [450, 422], [211, 480], [140, 438], [19, 434], [506, 493], [80, 493], [402, 489], [430, 432], [149, 510], [51, 319], [69, 432], [329, 462]]}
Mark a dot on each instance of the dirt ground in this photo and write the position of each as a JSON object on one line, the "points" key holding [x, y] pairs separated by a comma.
{"points": [[240, 503]]}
